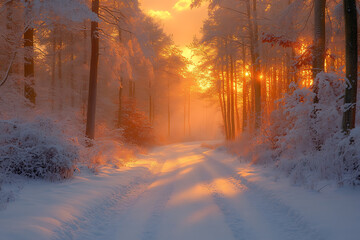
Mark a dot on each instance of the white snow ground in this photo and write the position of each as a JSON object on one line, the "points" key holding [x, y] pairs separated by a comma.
{"points": [[181, 191]]}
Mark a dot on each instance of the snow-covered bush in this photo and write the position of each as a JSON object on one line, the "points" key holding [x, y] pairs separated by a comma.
{"points": [[305, 140], [36, 149], [136, 128]]}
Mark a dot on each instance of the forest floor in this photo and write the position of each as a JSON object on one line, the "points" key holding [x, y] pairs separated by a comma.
{"points": [[181, 191]]}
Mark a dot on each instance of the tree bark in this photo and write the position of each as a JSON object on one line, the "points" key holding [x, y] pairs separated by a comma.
{"points": [[61, 83], [232, 98], [72, 80], [185, 98], [224, 101], [84, 80], [244, 94], [237, 116], [319, 43], [168, 105], [189, 112], [255, 61], [120, 104], [256, 65], [53, 65], [90, 123], [9, 29], [350, 13], [150, 101], [29, 91], [228, 98]]}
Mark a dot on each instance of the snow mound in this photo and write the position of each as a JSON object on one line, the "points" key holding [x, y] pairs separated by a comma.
{"points": [[36, 149]]}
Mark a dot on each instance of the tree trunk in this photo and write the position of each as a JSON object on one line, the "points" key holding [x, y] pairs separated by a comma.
{"points": [[185, 98], [53, 64], [222, 110], [168, 106], [72, 80], [244, 95], [150, 102], [120, 104], [256, 64], [255, 61], [319, 43], [9, 28], [236, 101], [90, 123], [84, 81], [189, 112], [61, 83], [150, 109], [348, 121], [131, 88], [224, 101], [228, 99], [232, 98], [29, 91]]}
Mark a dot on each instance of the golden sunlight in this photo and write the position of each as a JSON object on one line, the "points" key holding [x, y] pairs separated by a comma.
{"points": [[182, 5], [305, 73], [189, 55], [193, 194], [163, 15], [159, 111], [204, 84], [225, 187]]}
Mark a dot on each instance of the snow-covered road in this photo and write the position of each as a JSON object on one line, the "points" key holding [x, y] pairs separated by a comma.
{"points": [[198, 193]]}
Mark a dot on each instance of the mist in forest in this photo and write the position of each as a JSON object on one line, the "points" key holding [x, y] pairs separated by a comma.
{"points": [[179, 119], [276, 75]]}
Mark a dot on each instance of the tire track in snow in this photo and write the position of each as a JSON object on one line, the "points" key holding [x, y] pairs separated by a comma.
{"points": [[149, 230], [152, 225], [286, 219], [94, 221], [233, 218]]}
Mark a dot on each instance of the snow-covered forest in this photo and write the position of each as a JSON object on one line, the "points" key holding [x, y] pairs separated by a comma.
{"points": [[285, 82], [106, 76], [106, 115]]}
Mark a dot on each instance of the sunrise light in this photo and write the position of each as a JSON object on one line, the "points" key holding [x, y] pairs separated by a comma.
{"points": [[182, 5], [179, 120], [163, 15]]}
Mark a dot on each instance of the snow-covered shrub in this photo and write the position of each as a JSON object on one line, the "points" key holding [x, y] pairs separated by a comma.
{"points": [[305, 139], [108, 152], [135, 125], [36, 149]]}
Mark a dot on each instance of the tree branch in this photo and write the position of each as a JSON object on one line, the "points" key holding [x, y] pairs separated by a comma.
{"points": [[8, 70]]}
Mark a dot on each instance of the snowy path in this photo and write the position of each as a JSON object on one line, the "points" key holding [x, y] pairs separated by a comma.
{"points": [[198, 193]]}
